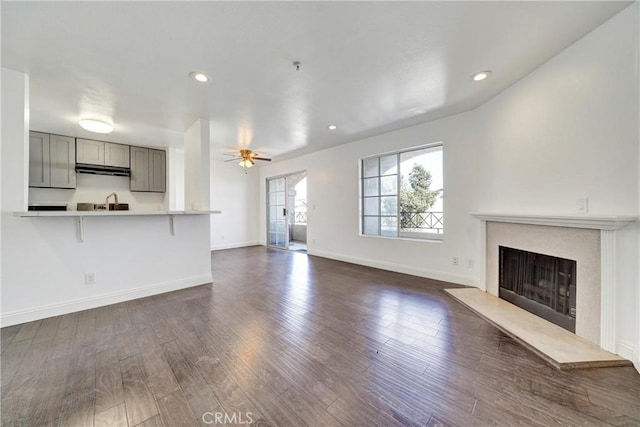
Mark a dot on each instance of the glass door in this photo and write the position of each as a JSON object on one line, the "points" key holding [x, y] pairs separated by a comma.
{"points": [[277, 230]]}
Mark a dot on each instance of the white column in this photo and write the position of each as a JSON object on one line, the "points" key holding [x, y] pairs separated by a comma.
{"points": [[608, 290], [197, 149], [176, 179], [15, 140]]}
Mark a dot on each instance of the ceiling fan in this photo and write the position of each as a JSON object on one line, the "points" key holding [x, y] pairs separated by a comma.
{"points": [[246, 158]]}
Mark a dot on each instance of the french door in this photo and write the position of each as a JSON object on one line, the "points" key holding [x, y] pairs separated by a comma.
{"points": [[277, 229]]}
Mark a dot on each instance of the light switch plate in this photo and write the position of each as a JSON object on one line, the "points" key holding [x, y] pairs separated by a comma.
{"points": [[582, 204]]}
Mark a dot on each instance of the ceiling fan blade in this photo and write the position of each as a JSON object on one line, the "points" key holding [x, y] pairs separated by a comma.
{"points": [[231, 160], [261, 158]]}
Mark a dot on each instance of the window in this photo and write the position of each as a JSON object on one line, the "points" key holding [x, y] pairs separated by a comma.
{"points": [[402, 194]]}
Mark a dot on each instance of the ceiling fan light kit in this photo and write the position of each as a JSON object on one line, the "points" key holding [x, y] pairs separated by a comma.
{"points": [[247, 158]]}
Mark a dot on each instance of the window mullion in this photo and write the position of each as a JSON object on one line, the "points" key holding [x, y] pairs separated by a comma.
{"points": [[362, 230], [398, 194], [379, 200]]}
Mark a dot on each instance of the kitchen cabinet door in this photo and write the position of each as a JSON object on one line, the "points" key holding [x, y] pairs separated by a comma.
{"points": [[157, 170], [116, 155], [62, 161], [90, 152], [39, 169], [139, 169]]}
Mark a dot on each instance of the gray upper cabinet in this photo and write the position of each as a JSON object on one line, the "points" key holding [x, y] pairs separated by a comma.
{"points": [[157, 170], [90, 152], [51, 160], [39, 168], [148, 170], [102, 153], [116, 155], [62, 156], [139, 169]]}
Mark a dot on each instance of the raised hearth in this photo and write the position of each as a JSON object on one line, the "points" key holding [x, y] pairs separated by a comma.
{"points": [[557, 346]]}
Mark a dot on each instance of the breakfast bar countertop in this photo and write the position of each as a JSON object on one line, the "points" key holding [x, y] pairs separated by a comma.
{"points": [[109, 213], [81, 215]]}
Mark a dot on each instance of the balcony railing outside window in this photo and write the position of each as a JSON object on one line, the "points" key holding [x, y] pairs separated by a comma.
{"points": [[430, 222], [300, 218]]}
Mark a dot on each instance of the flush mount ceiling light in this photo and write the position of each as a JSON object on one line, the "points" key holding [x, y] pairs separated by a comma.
{"points": [[333, 127], [481, 75], [97, 126], [199, 76]]}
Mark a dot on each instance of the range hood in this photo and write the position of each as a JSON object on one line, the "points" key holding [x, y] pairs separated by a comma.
{"points": [[102, 170]]}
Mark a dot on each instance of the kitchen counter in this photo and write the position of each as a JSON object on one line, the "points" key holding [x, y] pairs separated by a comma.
{"points": [[109, 213], [81, 215]]}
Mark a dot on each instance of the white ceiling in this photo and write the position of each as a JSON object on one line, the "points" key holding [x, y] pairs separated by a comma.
{"points": [[367, 67]]}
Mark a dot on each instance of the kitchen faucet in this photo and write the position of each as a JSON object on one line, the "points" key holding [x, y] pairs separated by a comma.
{"points": [[106, 202]]}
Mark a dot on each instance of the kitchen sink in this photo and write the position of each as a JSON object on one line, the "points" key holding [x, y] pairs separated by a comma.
{"points": [[101, 206], [119, 207]]}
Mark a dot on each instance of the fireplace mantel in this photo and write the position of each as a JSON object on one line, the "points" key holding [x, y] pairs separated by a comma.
{"points": [[586, 221]]}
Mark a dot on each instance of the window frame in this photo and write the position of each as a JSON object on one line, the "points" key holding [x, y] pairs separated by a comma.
{"points": [[407, 235]]}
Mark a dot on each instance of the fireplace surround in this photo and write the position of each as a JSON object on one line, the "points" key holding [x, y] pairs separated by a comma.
{"points": [[593, 242]]}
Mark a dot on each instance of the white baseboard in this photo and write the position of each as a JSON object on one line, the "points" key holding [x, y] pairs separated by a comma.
{"points": [[234, 245], [42, 312], [398, 268], [627, 350]]}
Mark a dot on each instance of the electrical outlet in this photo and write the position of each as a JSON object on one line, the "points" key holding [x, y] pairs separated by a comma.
{"points": [[222, 237], [455, 260], [470, 263], [90, 279], [313, 241]]}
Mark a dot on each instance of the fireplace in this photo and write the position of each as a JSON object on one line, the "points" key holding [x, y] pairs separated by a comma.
{"points": [[541, 284]]}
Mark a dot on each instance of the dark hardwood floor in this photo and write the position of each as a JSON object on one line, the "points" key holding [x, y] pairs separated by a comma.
{"points": [[283, 339]]}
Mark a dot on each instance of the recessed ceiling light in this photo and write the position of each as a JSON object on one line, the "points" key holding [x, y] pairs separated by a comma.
{"points": [[199, 76], [481, 75], [333, 127], [97, 126]]}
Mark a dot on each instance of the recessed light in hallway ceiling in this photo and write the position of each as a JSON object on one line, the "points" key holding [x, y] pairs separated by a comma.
{"points": [[479, 76], [199, 76]]}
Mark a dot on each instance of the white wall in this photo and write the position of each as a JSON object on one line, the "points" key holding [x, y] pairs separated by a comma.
{"points": [[14, 88], [567, 130], [333, 205], [43, 264], [236, 194]]}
